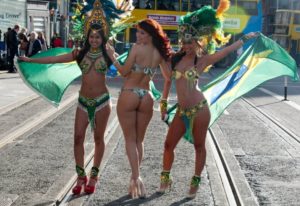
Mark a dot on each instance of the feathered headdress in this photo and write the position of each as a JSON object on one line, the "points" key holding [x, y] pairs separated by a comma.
{"points": [[206, 25], [109, 16]]}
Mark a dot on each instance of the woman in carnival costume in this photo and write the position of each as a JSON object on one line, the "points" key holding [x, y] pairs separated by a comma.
{"points": [[135, 103], [200, 32], [94, 99]]}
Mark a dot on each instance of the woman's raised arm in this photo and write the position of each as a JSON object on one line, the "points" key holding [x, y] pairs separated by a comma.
{"points": [[49, 60], [213, 58]]}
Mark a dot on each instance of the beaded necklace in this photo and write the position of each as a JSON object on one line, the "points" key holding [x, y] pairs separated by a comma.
{"points": [[94, 54]]}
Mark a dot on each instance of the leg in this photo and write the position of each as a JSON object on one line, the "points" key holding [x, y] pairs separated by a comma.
{"points": [[101, 119], [128, 102], [175, 132], [101, 123], [144, 115], [10, 58], [200, 127], [81, 123]]}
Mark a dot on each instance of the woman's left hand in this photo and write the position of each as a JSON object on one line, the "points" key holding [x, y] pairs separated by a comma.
{"points": [[252, 35], [24, 59], [248, 36]]}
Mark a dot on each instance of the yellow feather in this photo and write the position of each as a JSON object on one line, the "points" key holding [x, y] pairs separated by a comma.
{"points": [[223, 6]]}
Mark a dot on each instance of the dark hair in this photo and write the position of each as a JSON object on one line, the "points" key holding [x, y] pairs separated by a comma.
{"points": [[159, 38], [86, 47], [23, 37], [177, 58]]}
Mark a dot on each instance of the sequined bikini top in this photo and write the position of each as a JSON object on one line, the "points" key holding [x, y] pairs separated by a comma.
{"points": [[146, 70], [93, 59], [190, 75]]}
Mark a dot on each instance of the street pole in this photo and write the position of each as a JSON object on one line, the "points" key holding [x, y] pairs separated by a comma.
{"points": [[67, 23], [285, 78], [285, 88]]}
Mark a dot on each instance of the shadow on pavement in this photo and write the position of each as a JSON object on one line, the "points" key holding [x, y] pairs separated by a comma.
{"points": [[126, 200], [184, 200]]}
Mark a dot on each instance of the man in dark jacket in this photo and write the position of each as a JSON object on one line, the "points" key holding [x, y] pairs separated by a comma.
{"points": [[12, 45]]}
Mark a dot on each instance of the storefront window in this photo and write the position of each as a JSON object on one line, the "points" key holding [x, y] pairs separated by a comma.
{"points": [[296, 18], [132, 35], [170, 5], [144, 4], [184, 5], [173, 36], [284, 4], [249, 6], [196, 4]]}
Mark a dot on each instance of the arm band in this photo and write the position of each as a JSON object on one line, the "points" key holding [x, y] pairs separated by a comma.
{"points": [[116, 61], [244, 39], [163, 105]]}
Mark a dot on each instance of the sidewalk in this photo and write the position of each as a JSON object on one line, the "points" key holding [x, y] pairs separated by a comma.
{"points": [[12, 89]]}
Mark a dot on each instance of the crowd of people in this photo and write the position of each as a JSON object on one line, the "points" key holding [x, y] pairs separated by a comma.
{"points": [[18, 41], [152, 50]]}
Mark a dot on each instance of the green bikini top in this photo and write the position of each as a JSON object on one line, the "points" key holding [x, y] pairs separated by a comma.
{"points": [[93, 59], [190, 75]]}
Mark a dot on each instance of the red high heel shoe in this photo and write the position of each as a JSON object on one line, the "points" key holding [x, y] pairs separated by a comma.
{"points": [[81, 181], [91, 186]]}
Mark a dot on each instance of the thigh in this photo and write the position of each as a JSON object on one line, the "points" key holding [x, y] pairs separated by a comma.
{"points": [[127, 112], [101, 119], [81, 122], [200, 126], [144, 115], [175, 132]]}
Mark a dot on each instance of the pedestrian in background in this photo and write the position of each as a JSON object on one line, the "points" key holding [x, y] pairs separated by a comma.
{"points": [[34, 44], [24, 31], [12, 45], [135, 103], [24, 43], [57, 42], [43, 41]]}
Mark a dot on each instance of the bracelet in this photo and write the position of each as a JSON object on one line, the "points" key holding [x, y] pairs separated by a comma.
{"points": [[244, 39], [116, 61], [163, 105]]}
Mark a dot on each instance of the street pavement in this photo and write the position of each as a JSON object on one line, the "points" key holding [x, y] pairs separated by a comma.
{"points": [[270, 163]]}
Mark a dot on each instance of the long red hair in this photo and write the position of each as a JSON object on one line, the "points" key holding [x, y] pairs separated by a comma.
{"points": [[159, 38]]}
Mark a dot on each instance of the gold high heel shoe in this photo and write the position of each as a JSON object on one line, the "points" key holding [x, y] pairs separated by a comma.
{"points": [[195, 182], [165, 182]]}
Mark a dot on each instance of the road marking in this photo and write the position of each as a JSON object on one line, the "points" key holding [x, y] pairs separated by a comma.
{"points": [[36, 122], [291, 103], [14, 105]]}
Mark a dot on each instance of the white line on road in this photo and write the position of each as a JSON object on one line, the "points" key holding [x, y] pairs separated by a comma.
{"points": [[37, 121], [291, 103]]}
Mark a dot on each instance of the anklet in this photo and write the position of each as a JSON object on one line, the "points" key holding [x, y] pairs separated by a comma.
{"points": [[165, 177], [195, 181], [94, 172], [80, 171]]}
